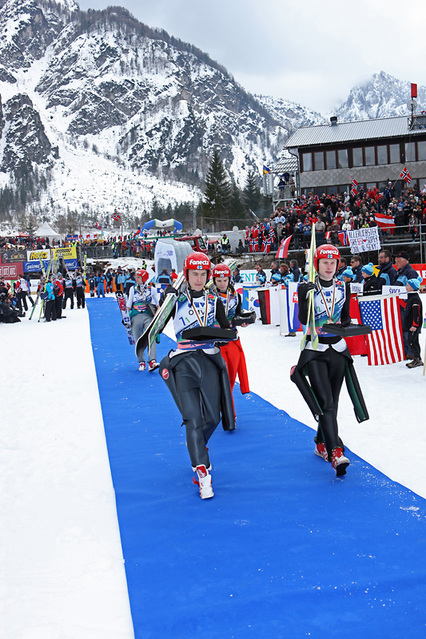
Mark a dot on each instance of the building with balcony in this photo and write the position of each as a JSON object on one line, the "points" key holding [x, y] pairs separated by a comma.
{"points": [[373, 152]]}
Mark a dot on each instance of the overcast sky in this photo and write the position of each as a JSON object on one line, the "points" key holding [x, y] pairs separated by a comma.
{"points": [[307, 51]]}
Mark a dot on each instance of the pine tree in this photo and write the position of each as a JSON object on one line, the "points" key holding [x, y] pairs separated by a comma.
{"points": [[238, 210], [217, 195], [251, 192]]}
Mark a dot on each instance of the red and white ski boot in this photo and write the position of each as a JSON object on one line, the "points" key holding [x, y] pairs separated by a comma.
{"points": [[339, 462], [204, 481], [321, 451]]}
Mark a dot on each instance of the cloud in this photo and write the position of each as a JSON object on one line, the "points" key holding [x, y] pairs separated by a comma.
{"points": [[309, 52]]}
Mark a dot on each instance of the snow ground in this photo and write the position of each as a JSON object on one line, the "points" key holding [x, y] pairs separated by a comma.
{"points": [[62, 573]]}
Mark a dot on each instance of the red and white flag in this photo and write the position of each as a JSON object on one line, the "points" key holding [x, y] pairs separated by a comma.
{"points": [[385, 222], [283, 248], [405, 175], [354, 189], [384, 344]]}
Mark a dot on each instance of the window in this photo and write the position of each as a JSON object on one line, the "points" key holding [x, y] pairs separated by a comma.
{"points": [[342, 159], [307, 161], [319, 160], [382, 154], [330, 157], [394, 153], [370, 155], [357, 156], [421, 149], [410, 152]]}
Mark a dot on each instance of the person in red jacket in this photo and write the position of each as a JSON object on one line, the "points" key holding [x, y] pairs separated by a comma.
{"points": [[232, 352]]}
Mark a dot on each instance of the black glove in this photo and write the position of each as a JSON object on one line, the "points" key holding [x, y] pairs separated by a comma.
{"points": [[310, 286]]}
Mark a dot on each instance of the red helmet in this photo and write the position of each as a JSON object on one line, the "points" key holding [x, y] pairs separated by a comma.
{"points": [[143, 274], [196, 262], [221, 270], [326, 252]]}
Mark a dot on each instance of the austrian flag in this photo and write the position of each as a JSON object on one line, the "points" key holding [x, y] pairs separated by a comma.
{"points": [[405, 175]]}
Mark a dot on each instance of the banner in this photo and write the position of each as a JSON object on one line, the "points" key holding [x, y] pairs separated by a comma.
{"points": [[289, 309], [13, 255], [34, 266], [363, 240], [67, 252], [41, 254], [11, 271]]}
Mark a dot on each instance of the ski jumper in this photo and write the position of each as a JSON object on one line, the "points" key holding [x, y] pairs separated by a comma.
{"points": [[196, 374], [232, 352], [326, 366], [141, 308]]}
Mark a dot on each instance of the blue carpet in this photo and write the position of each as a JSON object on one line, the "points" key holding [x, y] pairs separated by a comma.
{"points": [[284, 549]]}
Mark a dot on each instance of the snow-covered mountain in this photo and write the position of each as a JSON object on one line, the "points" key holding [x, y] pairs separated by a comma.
{"points": [[382, 96], [100, 112], [113, 114]]}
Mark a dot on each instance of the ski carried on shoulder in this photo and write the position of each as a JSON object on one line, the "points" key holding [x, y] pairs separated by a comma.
{"points": [[160, 319], [121, 300], [311, 310]]}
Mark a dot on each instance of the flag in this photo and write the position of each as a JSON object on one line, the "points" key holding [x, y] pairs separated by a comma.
{"points": [[385, 222], [343, 238], [283, 248], [354, 189], [327, 235], [266, 170], [405, 175], [116, 216], [413, 90], [384, 344]]}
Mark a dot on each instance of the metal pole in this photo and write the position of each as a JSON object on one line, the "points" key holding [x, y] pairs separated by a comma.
{"points": [[421, 243]]}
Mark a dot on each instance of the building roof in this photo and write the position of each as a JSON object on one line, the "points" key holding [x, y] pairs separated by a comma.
{"points": [[351, 132], [286, 164]]}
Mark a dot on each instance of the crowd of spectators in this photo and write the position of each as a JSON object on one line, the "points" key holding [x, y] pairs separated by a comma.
{"points": [[335, 213]]}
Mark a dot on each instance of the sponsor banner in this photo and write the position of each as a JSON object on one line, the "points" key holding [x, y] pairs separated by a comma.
{"points": [[39, 254], [11, 271], [34, 266], [356, 287], [421, 270], [67, 252], [293, 307], [13, 255], [395, 290]]}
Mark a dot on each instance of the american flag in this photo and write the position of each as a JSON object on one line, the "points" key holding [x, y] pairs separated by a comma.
{"points": [[405, 175], [384, 344]]}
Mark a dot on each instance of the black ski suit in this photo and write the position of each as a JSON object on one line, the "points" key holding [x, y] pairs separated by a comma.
{"points": [[326, 367]]}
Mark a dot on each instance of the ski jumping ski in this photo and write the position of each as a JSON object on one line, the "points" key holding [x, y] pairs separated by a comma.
{"points": [[121, 300]]}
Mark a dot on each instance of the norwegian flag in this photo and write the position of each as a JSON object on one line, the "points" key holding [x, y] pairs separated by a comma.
{"points": [[384, 344], [354, 189], [327, 235], [386, 222], [405, 175], [116, 216], [283, 248]]}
